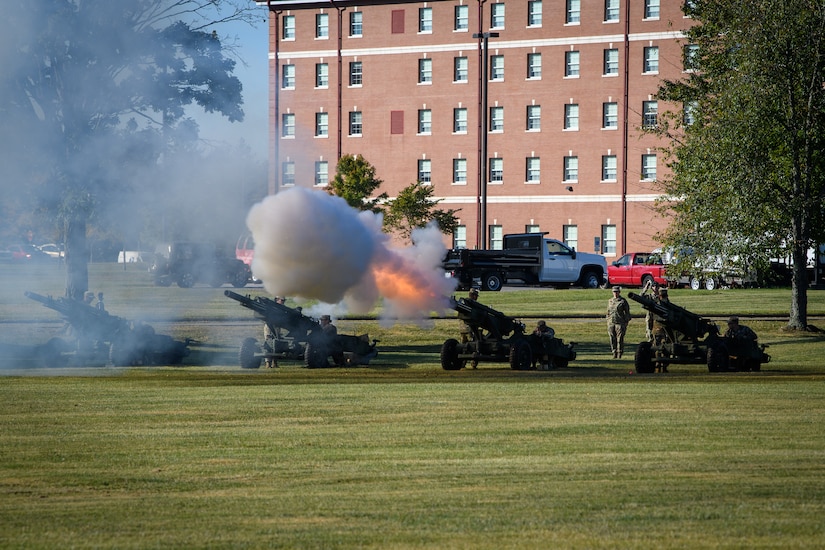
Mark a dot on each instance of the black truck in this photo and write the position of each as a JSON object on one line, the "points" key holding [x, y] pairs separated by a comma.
{"points": [[187, 263]]}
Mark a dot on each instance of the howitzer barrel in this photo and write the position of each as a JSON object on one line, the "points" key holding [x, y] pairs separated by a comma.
{"points": [[675, 317], [277, 315], [479, 315]]}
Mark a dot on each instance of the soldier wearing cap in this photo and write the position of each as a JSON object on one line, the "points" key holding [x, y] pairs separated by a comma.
{"points": [[618, 316], [465, 330], [739, 332]]}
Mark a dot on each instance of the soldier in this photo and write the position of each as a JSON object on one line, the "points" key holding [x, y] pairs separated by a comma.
{"points": [[330, 331], [653, 290], [270, 336], [659, 330], [739, 332], [466, 331], [618, 316], [544, 332]]}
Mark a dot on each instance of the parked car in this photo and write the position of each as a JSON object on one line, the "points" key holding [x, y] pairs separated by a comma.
{"points": [[187, 263], [27, 253], [52, 250]]}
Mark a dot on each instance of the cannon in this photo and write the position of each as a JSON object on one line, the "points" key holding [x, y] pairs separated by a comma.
{"points": [[98, 337], [290, 334], [686, 338], [496, 337]]}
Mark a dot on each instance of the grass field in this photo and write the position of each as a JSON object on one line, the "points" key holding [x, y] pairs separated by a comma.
{"points": [[401, 454]]}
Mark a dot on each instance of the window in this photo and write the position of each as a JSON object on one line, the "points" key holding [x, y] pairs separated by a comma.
{"points": [[609, 171], [611, 61], [356, 75], [459, 170], [288, 76], [570, 235], [496, 67], [533, 118], [462, 18], [288, 173], [573, 12], [533, 170], [648, 167], [321, 75], [533, 65], [460, 236], [497, 170], [532, 228], [611, 10], [425, 71], [496, 119], [610, 115], [689, 113], [425, 121], [321, 172], [571, 168], [425, 20], [462, 69], [288, 27], [651, 63], [650, 110], [497, 16], [460, 120], [321, 25], [288, 125], [321, 124], [355, 125], [608, 239], [571, 116], [571, 63], [651, 9], [691, 57], [496, 237], [356, 23], [534, 13], [425, 170]]}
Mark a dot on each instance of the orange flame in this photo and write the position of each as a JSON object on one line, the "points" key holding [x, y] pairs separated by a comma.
{"points": [[402, 284]]}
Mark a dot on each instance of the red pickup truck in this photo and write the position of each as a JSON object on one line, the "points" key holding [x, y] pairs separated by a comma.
{"points": [[636, 269]]}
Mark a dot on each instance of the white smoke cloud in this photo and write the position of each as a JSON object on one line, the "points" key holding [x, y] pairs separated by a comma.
{"points": [[313, 245]]}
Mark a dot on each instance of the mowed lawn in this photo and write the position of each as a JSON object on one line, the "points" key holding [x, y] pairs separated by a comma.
{"points": [[401, 454]]}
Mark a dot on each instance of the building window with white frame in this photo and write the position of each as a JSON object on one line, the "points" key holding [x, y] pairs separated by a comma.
{"points": [[288, 125], [534, 13], [425, 121], [460, 236], [355, 123], [571, 116], [691, 57], [288, 173], [496, 67], [460, 171], [288, 77], [534, 65], [609, 168], [571, 169], [496, 170], [288, 28], [496, 237], [425, 20], [608, 239], [425, 170], [425, 71], [533, 174], [689, 112], [651, 9], [532, 228], [321, 75], [321, 25], [649, 167], [497, 15], [611, 10], [356, 23], [321, 172], [573, 12], [321, 124], [610, 115], [650, 113], [570, 235], [651, 59], [462, 18], [533, 118], [571, 64], [611, 62], [496, 119], [460, 120], [356, 73], [462, 69]]}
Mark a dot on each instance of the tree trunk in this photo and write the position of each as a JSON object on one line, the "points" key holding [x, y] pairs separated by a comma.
{"points": [[77, 259], [799, 289]]}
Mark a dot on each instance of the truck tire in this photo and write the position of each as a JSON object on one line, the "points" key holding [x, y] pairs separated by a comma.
{"points": [[710, 283], [186, 280], [590, 279], [492, 281], [240, 279], [246, 355], [449, 355], [643, 360], [521, 356], [695, 283], [647, 280]]}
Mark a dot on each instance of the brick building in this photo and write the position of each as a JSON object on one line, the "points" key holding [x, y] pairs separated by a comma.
{"points": [[569, 85]]}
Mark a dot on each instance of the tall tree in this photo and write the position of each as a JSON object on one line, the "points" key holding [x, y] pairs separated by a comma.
{"points": [[355, 181], [414, 208], [93, 98], [747, 155]]}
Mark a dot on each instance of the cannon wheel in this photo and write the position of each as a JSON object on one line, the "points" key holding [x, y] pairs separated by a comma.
{"points": [[246, 355], [315, 356], [449, 355], [51, 353], [521, 356], [643, 360], [492, 281], [187, 280], [718, 359], [558, 363], [122, 355]]}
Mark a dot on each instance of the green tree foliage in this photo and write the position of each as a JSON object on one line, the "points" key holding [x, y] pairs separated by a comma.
{"points": [[414, 208], [748, 162], [355, 182]]}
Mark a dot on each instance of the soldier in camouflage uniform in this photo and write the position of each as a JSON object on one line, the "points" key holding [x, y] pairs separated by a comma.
{"points": [[618, 316]]}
